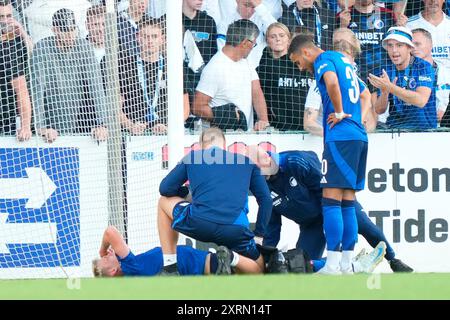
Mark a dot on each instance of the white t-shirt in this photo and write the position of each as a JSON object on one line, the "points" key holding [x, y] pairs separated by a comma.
{"points": [[227, 81], [440, 53], [262, 18]]}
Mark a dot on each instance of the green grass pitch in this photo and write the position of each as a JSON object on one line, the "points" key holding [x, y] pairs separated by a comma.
{"points": [[267, 287]]}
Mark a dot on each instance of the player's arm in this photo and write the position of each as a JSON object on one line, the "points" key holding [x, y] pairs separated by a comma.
{"points": [[273, 230], [263, 13], [172, 184], [260, 190], [201, 106], [310, 122], [112, 239], [260, 105], [418, 98], [334, 92]]}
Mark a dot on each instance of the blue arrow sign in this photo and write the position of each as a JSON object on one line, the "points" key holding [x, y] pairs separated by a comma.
{"points": [[40, 221]]}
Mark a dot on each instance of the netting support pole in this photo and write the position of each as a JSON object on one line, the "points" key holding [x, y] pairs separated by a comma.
{"points": [[115, 175], [174, 37]]}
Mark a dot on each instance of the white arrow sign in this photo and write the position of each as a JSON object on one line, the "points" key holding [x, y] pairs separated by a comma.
{"points": [[25, 233], [37, 188]]}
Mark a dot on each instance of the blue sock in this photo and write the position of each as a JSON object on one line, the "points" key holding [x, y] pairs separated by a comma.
{"points": [[350, 234], [333, 225], [318, 264]]}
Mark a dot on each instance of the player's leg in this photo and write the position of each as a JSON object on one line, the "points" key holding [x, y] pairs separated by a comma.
{"points": [[371, 232], [350, 234], [312, 239], [168, 209], [333, 226], [241, 241], [375, 235]]}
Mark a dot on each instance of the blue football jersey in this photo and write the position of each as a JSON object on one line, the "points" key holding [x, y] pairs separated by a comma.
{"points": [[419, 73], [190, 261], [351, 87]]}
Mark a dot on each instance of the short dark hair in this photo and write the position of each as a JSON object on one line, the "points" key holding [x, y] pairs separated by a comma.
{"points": [[4, 3], [96, 10], [147, 21], [300, 41], [241, 30], [425, 33]]}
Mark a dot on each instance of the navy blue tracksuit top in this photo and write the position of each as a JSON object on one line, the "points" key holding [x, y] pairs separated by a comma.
{"points": [[295, 190], [220, 182]]}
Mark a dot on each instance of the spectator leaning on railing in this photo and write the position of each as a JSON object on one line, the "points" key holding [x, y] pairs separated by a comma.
{"points": [[229, 84], [14, 99], [285, 87], [409, 80], [143, 83], [423, 46], [64, 70]]}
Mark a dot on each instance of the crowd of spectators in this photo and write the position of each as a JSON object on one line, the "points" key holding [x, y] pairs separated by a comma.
{"points": [[237, 73]]}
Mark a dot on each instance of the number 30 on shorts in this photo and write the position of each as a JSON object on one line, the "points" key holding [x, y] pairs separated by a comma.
{"points": [[324, 167]]}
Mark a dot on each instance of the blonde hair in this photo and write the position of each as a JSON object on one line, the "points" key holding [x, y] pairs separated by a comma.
{"points": [[278, 25], [96, 270], [350, 45], [210, 136]]}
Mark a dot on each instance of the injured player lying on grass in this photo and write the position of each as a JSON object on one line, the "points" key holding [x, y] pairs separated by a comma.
{"points": [[118, 260]]}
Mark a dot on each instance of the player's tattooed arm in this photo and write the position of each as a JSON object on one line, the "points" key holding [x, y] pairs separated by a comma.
{"points": [[310, 122]]}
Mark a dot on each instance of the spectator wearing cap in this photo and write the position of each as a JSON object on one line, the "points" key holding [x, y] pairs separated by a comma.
{"points": [[408, 82], [67, 83], [38, 16]]}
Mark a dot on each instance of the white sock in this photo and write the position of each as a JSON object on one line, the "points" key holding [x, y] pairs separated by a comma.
{"points": [[333, 260], [235, 260], [346, 260], [169, 259]]}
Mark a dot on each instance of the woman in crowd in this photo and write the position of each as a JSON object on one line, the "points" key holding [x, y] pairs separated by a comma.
{"points": [[285, 87]]}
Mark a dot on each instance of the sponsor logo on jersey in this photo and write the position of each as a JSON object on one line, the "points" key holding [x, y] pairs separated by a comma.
{"points": [[378, 24], [353, 25], [293, 182], [323, 180], [424, 78], [200, 36], [273, 194], [321, 67], [369, 37]]}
